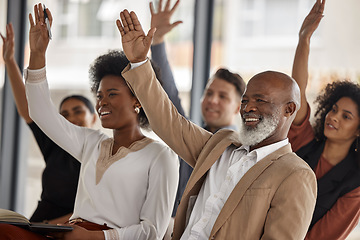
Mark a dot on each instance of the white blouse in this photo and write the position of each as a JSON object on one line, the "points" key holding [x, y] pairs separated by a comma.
{"points": [[132, 191]]}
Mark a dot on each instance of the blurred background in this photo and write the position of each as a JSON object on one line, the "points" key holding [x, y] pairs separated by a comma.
{"points": [[246, 36]]}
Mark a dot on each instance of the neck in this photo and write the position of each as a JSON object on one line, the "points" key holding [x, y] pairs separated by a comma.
{"points": [[125, 137], [335, 152]]}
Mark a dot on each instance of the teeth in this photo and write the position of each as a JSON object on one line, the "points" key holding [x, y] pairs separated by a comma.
{"points": [[104, 113], [251, 119]]}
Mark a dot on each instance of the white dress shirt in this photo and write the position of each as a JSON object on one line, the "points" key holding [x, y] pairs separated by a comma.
{"points": [[222, 178]]}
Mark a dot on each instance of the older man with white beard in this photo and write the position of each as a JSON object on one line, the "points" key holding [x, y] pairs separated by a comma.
{"points": [[258, 189]]}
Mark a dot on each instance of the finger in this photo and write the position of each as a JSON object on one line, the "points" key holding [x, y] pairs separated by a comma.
{"points": [[49, 16], [41, 13], [123, 16], [10, 31], [120, 27], [318, 5], [159, 6], [151, 6], [31, 20], [322, 6], [175, 24], [135, 21], [36, 14], [2, 37], [175, 6], [151, 32], [167, 5]]}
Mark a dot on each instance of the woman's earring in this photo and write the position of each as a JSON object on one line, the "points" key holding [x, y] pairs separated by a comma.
{"points": [[137, 110]]}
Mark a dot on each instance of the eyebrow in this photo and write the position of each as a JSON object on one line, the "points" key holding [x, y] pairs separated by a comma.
{"points": [[344, 110], [347, 111], [110, 89]]}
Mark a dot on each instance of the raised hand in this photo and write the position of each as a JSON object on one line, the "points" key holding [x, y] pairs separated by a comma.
{"points": [[38, 37], [312, 20], [161, 20], [135, 43], [8, 44]]}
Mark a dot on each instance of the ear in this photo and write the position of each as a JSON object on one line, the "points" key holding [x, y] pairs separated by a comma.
{"points": [[290, 108], [137, 103]]}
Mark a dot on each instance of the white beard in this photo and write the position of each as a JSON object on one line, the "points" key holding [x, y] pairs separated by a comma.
{"points": [[250, 136]]}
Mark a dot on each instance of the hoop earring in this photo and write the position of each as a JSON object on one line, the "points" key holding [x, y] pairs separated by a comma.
{"points": [[137, 110]]}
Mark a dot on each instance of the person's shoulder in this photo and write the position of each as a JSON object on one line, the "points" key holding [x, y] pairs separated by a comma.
{"points": [[290, 160]]}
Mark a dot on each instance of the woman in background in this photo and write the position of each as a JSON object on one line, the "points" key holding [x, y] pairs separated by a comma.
{"points": [[330, 147], [61, 172]]}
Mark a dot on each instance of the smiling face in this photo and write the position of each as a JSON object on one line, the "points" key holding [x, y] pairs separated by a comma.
{"points": [[220, 104], [76, 112], [342, 121], [115, 103], [266, 109]]}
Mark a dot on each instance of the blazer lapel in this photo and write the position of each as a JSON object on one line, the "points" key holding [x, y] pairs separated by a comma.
{"points": [[211, 156], [245, 182]]}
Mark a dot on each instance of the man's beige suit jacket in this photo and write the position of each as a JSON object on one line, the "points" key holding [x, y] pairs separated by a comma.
{"points": [[275, 199]]}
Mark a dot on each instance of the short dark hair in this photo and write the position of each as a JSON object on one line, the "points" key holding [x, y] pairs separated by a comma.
{"points": [[328, 97], [233, 78], [81, 98], [113, 63]]}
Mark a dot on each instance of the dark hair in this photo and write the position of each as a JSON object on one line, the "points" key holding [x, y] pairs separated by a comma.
{"points": [[113, 63], [233, 78], [328, 97], [83, 99]]}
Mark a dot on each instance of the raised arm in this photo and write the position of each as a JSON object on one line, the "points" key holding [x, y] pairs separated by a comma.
{"points": [[184, 137], [300, 66], [14, 74], [161, 21]]}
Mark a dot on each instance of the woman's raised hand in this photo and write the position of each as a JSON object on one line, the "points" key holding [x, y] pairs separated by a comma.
{"points": [[312, 20], [135, 43], [8, 44], [38, 35]]}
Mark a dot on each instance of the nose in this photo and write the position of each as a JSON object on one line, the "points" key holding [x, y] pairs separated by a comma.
{"points": [[102, 102], [213, 99], [248, 107]]}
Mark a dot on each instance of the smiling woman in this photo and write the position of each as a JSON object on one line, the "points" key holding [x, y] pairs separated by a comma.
{"points": [[128, 181], [331, 146]]}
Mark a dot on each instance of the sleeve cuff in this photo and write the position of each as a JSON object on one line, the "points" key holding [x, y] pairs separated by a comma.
{"points": [[35, 76], [138, 64], [111, 234]]}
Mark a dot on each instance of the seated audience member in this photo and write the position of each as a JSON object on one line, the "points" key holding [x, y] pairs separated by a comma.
{"points": [[61, 172], [330, 147], [127, 182], [245, 185], [221, 99]]}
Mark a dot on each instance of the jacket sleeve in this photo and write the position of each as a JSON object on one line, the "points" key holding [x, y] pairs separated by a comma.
{"points": [[184, 137]]}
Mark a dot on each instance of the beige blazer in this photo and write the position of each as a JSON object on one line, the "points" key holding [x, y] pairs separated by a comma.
{"points": [[275, 199]]}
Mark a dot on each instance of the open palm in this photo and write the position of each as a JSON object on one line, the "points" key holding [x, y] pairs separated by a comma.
{"points": [[135, 43]]}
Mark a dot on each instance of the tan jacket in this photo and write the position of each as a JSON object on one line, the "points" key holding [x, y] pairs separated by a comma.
{"points": [[275, 199]]}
